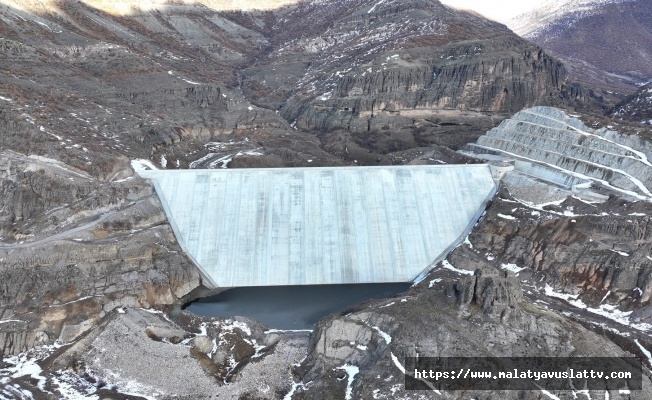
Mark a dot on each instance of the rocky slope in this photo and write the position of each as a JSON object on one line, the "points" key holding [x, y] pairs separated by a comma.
{"points": [[86, 87], [637, 107], [562, 213], [613, 35], [414, 70], [74, 248], [360, 354], [85, 243], [84, 84], [86, 90], [597, 254], [483, 314]]}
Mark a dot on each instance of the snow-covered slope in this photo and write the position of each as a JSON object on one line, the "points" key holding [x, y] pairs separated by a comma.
{"points": [[532, 23], [612, 35]]}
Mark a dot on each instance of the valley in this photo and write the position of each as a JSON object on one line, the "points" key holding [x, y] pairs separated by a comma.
{"points": [[95, 277]]}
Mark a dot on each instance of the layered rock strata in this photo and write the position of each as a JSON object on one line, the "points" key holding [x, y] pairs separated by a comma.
{"points": [[408, 61]]}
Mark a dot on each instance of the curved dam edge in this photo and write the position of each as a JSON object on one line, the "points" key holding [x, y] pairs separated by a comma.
{"points": [[476, 219]]}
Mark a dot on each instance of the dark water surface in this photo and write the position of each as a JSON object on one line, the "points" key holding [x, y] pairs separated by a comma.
{"points": [[292, 307]]}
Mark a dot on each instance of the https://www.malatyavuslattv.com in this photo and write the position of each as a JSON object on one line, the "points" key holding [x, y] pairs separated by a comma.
{"points": [[525, 373]]}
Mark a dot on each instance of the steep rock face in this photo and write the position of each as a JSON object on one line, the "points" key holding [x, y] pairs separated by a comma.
{"points": [[496, 292], [88, 82], [75, 248], [362, 353], [613, 35], [562, 214], [599, 253], [405, 62]]}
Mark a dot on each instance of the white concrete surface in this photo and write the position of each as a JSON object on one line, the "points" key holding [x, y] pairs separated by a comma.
{"points": [[309, 226]]}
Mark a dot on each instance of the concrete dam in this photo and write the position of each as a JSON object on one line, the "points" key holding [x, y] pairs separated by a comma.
{"points": [[318, 226]]}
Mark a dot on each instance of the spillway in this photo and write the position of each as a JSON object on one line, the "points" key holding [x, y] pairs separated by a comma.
{"points": [[318, 226]]}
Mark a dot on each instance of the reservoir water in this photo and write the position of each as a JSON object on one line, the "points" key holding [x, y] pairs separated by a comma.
{"points": [[292, 307]]}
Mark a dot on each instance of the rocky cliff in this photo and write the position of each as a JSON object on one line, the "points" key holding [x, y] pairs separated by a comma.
{"points": [[406, 61], [74, 248], [595, 253], [562, 214], [359, 354], [89, 81], [85, 243], [363, 353]]}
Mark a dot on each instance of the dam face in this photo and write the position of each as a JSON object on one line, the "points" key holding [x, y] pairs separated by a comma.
{"points": [[319, 226]]}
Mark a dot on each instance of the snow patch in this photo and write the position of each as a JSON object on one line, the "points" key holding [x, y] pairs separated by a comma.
{"points": [[141, 165], [550, 395], [229, 325], [374, 7], [645, 351], [434, 282], [71, 387], [10, 320], [385, 336], [512, 267], [446, 265], [295, 386], [286, 330], [606, 310], [351, 372], [132, 387], [570, 298], [510, 217], [605, 296]]}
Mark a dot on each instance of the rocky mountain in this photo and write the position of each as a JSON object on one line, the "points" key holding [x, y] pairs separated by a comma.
{"points": [[163, 83], [404, 60], [91, 273], [637, 107], [85, 90], [614, 36], [587, 167]]}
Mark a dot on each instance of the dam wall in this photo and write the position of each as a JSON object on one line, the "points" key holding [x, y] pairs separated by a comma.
{"points": [[316, 226]]}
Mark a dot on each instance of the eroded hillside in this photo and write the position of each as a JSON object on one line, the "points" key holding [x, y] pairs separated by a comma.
{"points": [[87, 87]]}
